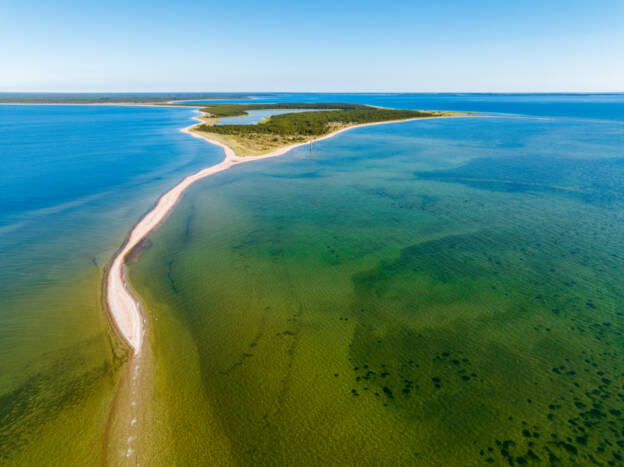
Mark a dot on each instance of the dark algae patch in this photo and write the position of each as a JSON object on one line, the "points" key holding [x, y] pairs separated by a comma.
{"points": [[368, 316], [511, 383]]}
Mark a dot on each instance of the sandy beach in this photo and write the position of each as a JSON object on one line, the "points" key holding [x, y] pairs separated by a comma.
{"points": [[123, 306]]}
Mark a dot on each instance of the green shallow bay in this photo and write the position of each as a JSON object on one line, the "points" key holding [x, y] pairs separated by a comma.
{"points": [[400, 295]]}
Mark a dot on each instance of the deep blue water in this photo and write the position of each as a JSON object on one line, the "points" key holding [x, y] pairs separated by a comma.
{"points": [[52, 155], [64, 161], [590, 106]]}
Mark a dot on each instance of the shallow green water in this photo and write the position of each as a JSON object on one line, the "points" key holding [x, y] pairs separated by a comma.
{"points": [[433, 293]]}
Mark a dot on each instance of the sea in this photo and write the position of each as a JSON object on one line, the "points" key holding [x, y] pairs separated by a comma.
{"points": [[435, 292]]}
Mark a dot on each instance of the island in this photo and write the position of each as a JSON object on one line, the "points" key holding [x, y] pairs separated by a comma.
{"points": [[272, 137], [317, 120]]}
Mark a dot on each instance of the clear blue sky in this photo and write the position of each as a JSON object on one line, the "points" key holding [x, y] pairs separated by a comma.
{"points": [[316, 45]]}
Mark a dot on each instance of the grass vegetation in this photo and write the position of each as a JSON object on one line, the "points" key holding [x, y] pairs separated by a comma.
{"points": [[290, 128]]}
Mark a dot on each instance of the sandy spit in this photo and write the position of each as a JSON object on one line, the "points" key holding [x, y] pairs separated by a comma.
{"points": [[123, 306]]}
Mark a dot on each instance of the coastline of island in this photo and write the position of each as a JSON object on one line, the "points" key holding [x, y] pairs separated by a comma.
{"points": [[301, 123], [123, 307]]}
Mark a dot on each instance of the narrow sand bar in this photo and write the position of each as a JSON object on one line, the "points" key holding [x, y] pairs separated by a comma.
{"points": [[123, 306]]}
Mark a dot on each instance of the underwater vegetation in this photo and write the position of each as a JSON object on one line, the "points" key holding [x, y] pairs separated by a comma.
{"points": [[382, 300]]}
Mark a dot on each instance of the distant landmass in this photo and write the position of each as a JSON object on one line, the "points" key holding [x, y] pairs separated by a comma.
{"points": [[111, 98]]}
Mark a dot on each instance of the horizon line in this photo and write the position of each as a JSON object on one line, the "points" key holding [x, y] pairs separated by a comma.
{"points": [[305, 92]]}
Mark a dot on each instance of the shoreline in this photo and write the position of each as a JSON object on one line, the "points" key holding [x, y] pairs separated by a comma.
{"points": [[123, 307]]}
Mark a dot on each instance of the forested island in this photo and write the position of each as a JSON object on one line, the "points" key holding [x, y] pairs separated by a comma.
{"points": [[291, 128]]}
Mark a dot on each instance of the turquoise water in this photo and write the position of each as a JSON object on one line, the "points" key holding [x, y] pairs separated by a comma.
{"points": [[74, 179], [442, 292]]}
